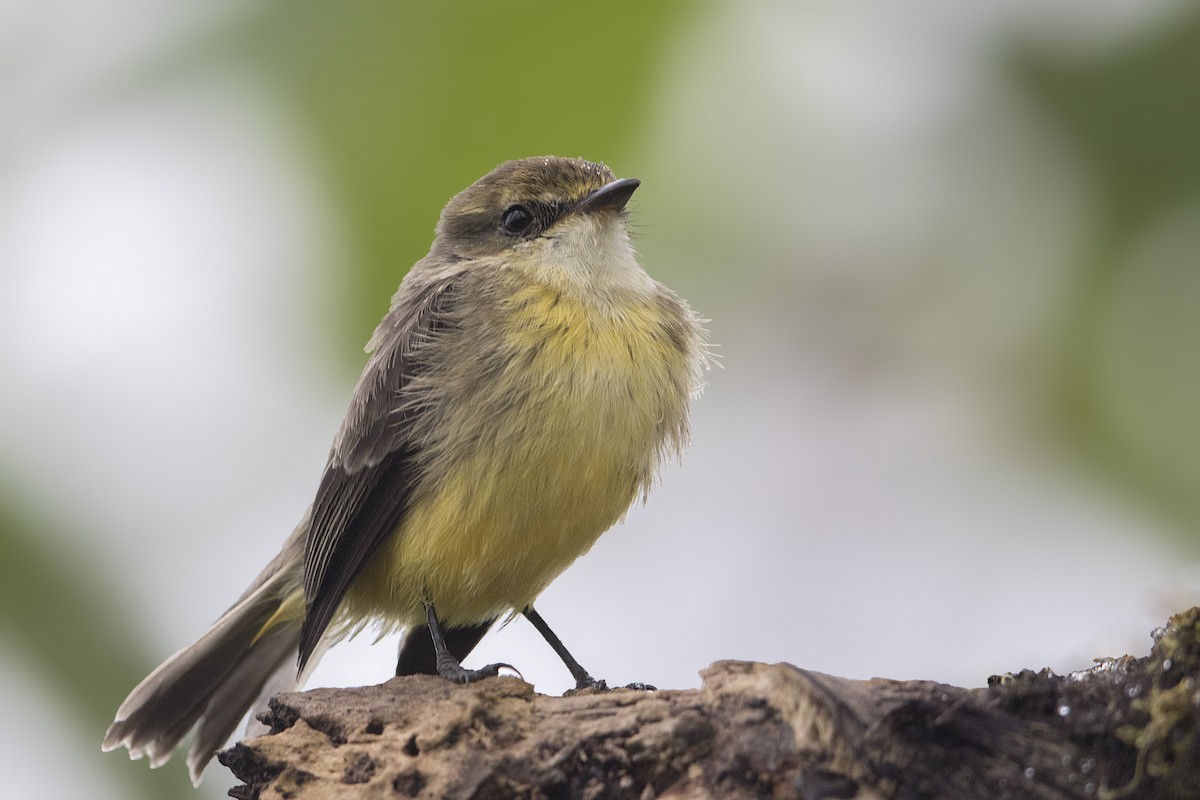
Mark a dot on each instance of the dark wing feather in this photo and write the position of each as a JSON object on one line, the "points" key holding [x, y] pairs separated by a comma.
{"points": [[371, 472]]}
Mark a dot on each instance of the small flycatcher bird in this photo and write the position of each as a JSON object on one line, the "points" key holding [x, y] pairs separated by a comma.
{"points": [[520, 393]]}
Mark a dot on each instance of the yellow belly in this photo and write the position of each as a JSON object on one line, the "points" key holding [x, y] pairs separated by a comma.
{"points": [[537, 480]]}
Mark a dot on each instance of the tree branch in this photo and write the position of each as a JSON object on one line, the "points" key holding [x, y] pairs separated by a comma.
{"points": [[1127, 728]]}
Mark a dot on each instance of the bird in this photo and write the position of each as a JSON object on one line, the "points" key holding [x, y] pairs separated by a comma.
{"points": [[520, 394]]}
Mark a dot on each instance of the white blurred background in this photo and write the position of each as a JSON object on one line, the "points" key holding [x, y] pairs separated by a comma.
{"points": [[948, 251]]}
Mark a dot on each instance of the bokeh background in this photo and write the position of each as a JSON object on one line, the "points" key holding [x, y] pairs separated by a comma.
{"points": [[949, 251]]}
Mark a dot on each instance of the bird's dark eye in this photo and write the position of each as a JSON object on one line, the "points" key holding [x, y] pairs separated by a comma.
{"points": [[516, 219]]}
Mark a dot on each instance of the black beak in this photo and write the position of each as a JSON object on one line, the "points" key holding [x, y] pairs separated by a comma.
{"points": [[612, 196]]}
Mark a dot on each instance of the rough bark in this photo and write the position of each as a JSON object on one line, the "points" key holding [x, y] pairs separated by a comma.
{"points": [[1127, 728]]}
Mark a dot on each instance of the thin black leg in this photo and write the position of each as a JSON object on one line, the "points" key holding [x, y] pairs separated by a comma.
{"points": [[446, 664], [582, 679], [416, 655]]}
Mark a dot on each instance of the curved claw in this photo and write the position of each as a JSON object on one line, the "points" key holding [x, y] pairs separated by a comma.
{"points": [[451, 670], [516, 672]]}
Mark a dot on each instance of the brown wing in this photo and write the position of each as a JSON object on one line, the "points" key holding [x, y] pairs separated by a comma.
{"points": [[371, 472]]}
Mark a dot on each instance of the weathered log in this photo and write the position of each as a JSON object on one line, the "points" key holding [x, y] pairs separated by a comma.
{"points": [[1126, 728]]}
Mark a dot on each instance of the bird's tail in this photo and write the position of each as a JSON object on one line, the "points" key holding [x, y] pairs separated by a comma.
{"points": [[247, 654]]}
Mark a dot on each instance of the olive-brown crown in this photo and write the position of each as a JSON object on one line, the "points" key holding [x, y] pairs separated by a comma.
{"points": [[517, 201]]}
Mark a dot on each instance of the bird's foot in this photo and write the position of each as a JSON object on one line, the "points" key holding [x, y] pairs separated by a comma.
{"points": [[451, 670], [600, 685]]}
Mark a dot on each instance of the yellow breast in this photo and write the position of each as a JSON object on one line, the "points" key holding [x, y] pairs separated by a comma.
{"points": [[546, 457]]}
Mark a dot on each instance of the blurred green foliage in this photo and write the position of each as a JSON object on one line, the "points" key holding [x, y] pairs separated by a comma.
{"points": [[1133, 119], [1132, 114]]}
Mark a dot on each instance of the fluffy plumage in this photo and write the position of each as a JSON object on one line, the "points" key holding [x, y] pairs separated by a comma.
{"points": [[520, 393]]}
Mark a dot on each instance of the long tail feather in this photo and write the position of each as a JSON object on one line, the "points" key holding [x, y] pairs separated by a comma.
{"points": [[212, 683]]}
